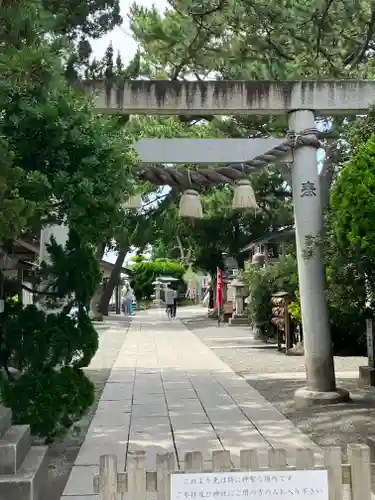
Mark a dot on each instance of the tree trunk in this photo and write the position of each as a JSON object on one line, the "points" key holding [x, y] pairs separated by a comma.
{"points": [[111, 283], [94, 302], [333, 155], [95, 314]]}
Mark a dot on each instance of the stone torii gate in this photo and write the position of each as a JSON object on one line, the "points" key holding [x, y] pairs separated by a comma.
{"points": [[300, 101], [321, 385]]}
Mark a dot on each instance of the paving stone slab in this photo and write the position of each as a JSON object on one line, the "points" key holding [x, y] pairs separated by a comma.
{"points": [[161, 438], [182, 392], [149, 410], [142, 398], [195, 415], [174, 377], [250, 440], [186, 405], [142, 441], [150, 422], [182, 385], [198, 430], [106, 418], [179, 421], [80, 481], [103, 441], [259, 414], [149, 387], [117, 391], [228, 418], [120, 406], [121, 376], [148, 371]]}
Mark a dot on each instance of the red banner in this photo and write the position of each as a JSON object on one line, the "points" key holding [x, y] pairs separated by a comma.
{"points": [[219, 287]]}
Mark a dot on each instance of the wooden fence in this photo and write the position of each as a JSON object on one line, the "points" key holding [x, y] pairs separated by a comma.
{"points": [[355, 476]]}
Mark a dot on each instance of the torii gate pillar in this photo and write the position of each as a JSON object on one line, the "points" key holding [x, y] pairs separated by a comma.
{"points": [[320, 374]]}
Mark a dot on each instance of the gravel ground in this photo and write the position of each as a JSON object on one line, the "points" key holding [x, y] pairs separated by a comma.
{"points": [[277, 376], [62, 454]]}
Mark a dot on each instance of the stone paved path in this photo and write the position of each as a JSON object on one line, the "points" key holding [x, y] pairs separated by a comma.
{"points": [[169, 392]]}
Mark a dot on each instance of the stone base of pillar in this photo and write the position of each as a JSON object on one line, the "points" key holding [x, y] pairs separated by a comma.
{"points": [[304, 397], [157, 303], [297, 350], [239, 320], [257, 332], [367, 375], [96, 316]]}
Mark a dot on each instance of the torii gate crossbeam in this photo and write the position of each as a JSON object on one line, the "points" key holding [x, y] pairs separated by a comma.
{"points": [[205, 151], [209, 98]]}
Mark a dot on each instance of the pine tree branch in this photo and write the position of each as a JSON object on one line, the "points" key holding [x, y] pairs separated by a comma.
{"points": [[321, 24], [357, 58]]}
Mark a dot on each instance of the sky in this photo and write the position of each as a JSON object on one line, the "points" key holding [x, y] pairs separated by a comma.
{"points": [[121, 36]]}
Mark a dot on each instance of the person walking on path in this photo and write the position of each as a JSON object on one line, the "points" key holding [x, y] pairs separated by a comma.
{"points": [[131, 301], [128, 296], [169, 300], [124, 300]]}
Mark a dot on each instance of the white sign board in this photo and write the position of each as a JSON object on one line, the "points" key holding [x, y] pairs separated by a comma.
{"points": [[256, 485]]}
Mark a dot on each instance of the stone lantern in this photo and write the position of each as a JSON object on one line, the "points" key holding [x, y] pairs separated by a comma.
{"points": [[239, 317], [157, 300], [258, 259]]}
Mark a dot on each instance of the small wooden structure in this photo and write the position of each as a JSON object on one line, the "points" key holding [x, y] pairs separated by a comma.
{"points": [[355, 476], [20, 260], [227, 310], [273, 246], [281, 319]]}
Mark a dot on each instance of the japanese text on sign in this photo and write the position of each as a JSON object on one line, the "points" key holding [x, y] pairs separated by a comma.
{"points": [[296, 485]]}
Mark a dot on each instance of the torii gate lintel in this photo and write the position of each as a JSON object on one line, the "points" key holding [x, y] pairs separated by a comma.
{"points": [[239, 98]]}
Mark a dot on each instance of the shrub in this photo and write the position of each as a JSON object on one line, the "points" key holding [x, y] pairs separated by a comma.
{"points": [[49, 400], [263, 282], [50, 349]]}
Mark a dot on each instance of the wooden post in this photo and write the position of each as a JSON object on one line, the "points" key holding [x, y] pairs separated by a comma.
{"points": [[137, 475], [108, 477], [165, 464], [367, 373], [193, 461], [359, 460], [332, 460]]}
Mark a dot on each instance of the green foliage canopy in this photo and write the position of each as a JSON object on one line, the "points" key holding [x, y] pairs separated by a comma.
{"points": [[144, 273], [60, 163]]}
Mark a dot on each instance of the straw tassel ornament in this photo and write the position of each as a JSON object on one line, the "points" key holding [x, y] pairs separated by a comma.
{"points": [[190, 205], [243, 195]]}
